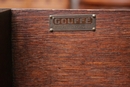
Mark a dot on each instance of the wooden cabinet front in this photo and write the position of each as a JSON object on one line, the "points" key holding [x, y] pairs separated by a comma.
{"points": [[98, 58]]}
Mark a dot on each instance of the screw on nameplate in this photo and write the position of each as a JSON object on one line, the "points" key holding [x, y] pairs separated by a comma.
{"points": [[51, 30], [73, 22]]}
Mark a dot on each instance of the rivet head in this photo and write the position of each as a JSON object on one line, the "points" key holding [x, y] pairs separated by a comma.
{"points": [[51, 30], [50, 16], [93, 28], [93, 15]]}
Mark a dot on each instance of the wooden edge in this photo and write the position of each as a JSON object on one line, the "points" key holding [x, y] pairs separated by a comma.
{"points": [[3, 10], [40, 9], [5, 48]]}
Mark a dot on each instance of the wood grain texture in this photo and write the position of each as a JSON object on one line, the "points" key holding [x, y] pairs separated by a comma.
{"points": [[5, 48], [71, 59]]}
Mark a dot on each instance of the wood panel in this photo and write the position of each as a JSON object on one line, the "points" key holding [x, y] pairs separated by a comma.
{"points": [[71, 59], [5, 48]]}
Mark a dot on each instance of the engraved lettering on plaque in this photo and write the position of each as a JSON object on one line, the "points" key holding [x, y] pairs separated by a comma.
{"points": [[72, 22]]}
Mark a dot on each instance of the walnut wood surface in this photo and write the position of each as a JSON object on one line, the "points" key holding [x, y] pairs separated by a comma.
{"points": [[71, 59], [5, 48]]}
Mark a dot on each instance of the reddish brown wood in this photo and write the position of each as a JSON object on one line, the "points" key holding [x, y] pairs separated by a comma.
{"points": [[108, 2], [5, 48], [104, 4], [71, 59]]}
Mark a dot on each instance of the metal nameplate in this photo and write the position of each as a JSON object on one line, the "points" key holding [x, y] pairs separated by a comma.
{"points": [[73, 22]]}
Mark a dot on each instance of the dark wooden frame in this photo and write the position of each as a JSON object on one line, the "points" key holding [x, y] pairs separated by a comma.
{"points": [[41, 58], [5, 48]]}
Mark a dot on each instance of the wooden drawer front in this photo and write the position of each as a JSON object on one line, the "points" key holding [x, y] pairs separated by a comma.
{"points": [[74, 58]]}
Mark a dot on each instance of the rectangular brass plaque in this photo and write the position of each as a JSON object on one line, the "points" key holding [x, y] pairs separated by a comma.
{"points": [[73, 22]]}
